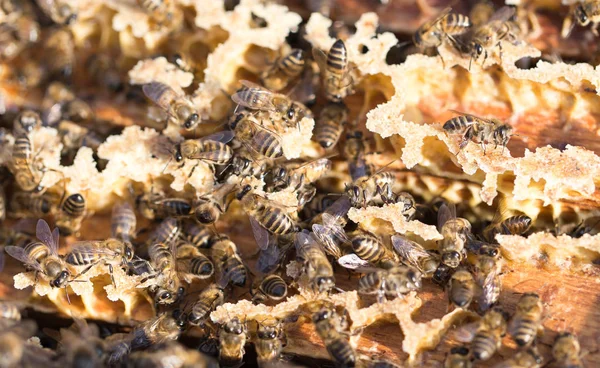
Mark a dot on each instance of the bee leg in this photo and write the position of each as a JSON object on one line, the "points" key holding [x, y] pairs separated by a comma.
{"points": [[443, 62], [112, 278], [500, 48], [85, 270]]}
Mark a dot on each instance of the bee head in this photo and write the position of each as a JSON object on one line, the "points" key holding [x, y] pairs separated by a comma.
{"points": [[128, 252], [324, 283], [191, 121], [206, 214], [61, 280], [322, 315], [234, 327], [451, 259], [164, 297], [502, 134], [476, 50], [580, 15], [268, 332], [414, 279]]}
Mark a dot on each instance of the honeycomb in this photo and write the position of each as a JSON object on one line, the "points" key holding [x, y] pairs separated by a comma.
{"points": [[548, 170]]}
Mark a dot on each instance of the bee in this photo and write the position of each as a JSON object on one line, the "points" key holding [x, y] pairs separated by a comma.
{"points": [[316, 266], [584, 13], [478, 130], [462, 288], [281, 177], [81, 345], [355, 150], [28, 174], [187, 63], [513, 225], [478, 247], [266, 214], [199, 236], [487, 276], [16, 34], [380, 364], [161, 11], [488, 338], [390, 283], [167, 232], [335, 71], [16, 352], [327, 325], [61, 44], [110, 252], [458, 357], [270, 340], [23, 204], [413, 254], [363, 192], [256, 138], [191, 261], [211, 149], [72, 211], [566, 351], [369, 247], [481, 12], [455, 231], [281, 108], [229, 262], [60, 11], [209, 207], [104, 71], [26, 122], [525, 358], [526, 323], [241, 166], [330, 124], [167, 283], [232, 338], [179, 108], [209, 299], [330, 232], [492, 33], [283, 70], [270, 287], [171, 353], [42, 256], [123, 222], [445, 26]]}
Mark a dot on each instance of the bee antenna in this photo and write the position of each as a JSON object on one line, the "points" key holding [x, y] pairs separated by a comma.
{"points": [[168, 162], [67, 294]]}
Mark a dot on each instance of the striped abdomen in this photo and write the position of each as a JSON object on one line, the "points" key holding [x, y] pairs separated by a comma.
{"points": [[461, 294], [234, 270], [74, 205], [83, 257], [9, 311], [123, 222], [201, 266], [199, 236], [328, 132], [342, 352], [274, 220], [371, 282], [517, 225], [455, 24], [525, 331], [459, 124], [274, 287], [267, 144], [36, 206], [292, 64], [337, 59], [217, 153], [161, 256], [368, 247], [175, 207], [484, 345], [167, 231], [22, 151], [37, 251]]}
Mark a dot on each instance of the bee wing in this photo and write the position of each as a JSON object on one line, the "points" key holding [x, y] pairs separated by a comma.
{"points": [[445, 213], [340, 207], [91, 248], [502, 15], [224, 136], [43, 233], [489, 289], [160, 93], [326, 241], [353, 262], [410, 252], [437, 19], [305, 90], [303, 238], [122, 208], [268, 258], [465, 333], [321, 59], [19, 254], [471, 115], [261, 235], [261, 101]]}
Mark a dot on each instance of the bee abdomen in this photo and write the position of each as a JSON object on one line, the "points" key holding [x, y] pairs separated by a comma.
{"points": [[177, 207], [267, 144], [81, 258], [369, 283], [274, 287], [327, 134], [526, 332], [74, 205], [337, 58], [219, 153], [368, 249], [484, 346], [462, 296], [293, 63], [454, 24], [458, 124], [235, 271], [342, 352], [22, 150], [277, 222], [201, 266]]}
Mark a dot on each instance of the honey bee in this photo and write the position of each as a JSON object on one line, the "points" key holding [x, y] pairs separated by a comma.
{"points": [[229, 262], [369, 247], [335, 71], [327, 325], [209, 207], [232, 338], [355, 150], [492, 33], [525, 358], [160, 11], [379, 363], [566, 351], [270, 287], [390, 283], [241, 166], [28, 174], [478, 247], [179, 108], [445, 25], [266, 214], [297, 177], [280, 107], [110, 252], [72, 211], [455, 231], [167, 283], [283, 70], [60, 11], [526, 323], [187, 63], [209, 299], [256, 138], [81, 345], [199, 236], [175, 354], [458, 357], [513, 225], [167, 232], [123, 222], [584, 13], [462, 288], [488, 338], [413, 254], [330, 232], [481, 12], [316, 266], [104, 70], [191, 261], [487, 276], [23, 204], [330, 124], [363, 192], [16, 352], [43, 256], [478, 130], [270, 340], [211, 149], [26, 122]]}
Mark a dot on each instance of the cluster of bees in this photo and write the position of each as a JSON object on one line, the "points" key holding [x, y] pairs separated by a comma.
{"points": [[184, 247]]}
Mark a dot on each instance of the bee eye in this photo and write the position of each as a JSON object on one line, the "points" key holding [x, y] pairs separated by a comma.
{"points": [[290, 114]]}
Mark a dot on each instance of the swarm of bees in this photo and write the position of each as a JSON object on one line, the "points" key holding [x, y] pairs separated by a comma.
{"points": [[188, 265]]}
